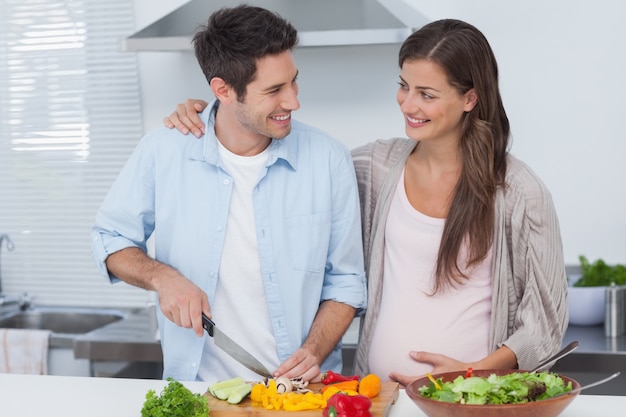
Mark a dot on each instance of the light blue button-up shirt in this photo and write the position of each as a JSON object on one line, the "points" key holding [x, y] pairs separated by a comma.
{"points": [[307, 225]]}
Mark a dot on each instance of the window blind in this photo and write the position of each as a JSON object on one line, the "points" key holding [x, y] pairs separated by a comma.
{"points": [[71, 116]]}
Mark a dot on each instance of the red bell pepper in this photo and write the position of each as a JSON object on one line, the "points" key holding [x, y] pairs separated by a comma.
{"points": [[330, 377], [344, 405]]}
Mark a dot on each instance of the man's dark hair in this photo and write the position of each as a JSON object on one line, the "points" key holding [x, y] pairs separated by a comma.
{"points": [[235, 38]]}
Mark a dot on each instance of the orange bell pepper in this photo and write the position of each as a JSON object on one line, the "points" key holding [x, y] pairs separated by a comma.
{"points": [[370, 385]]}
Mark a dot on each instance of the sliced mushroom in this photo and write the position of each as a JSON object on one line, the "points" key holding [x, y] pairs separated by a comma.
{"points": [[283, 384], [299, 385]]}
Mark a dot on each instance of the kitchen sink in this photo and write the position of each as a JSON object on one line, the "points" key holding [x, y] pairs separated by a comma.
{"points": [[61, 320]]}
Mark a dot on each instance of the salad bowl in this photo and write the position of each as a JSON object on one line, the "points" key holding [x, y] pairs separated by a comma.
{"points": [[549, 407]]}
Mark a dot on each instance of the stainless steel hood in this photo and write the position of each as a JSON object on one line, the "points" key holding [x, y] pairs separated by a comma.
{"points": [[319, 23]]}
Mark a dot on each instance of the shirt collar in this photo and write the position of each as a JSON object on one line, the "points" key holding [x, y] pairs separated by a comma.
{"points": [[206, 148]]}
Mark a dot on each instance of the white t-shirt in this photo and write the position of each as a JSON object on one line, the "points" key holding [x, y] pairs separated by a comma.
{"points": [[240, 293], [410, 319]]}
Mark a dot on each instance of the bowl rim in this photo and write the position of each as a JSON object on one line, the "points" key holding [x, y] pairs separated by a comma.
{"points": [[412, 390]]}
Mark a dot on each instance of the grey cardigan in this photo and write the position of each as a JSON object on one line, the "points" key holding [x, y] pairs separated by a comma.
{"points": [[529, 303]]}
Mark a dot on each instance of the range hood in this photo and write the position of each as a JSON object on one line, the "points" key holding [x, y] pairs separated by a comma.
{"points": [[319, 23]]}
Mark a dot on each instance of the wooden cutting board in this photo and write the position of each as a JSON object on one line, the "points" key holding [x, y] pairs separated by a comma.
{"points": [[381, 404]]}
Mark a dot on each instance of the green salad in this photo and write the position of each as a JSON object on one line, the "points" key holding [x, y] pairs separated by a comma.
{"points": [[513, 388]]}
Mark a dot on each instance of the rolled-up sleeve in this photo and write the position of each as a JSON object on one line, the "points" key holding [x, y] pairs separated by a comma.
{"points": [[344, 280], [126, 217]]}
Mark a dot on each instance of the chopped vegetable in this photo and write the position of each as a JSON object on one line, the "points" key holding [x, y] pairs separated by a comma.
{"points": [[343, 405], [308, 401], [330, 377], [431, 379], [227, 383], [233, 390], [175, 400], [352, 385], [238, 393], [223, 393], [269, 398], [513, 388], [370, 385], [331, 390], [284, 384], [468, 373]]}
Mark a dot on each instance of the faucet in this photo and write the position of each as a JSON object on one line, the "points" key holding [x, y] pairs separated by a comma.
{"points": [[22, 301], [10, 246]]}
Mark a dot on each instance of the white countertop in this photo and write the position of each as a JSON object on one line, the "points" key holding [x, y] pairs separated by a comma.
{"points": [[61, 396]]}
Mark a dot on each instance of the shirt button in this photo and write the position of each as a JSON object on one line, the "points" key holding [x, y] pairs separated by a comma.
{"points": [[193, 364], [219, 228], [226, 181]]}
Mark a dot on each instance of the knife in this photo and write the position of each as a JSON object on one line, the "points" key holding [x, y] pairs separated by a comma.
{"points": [[229, 346]]}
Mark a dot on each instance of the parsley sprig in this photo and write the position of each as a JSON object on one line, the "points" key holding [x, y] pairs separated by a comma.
{"points": [[175, 400]]}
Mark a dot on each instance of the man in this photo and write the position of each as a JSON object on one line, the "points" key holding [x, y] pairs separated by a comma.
{"points": [[257, 225]]}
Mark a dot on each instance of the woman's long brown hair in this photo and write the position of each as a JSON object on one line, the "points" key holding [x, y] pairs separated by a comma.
{"points": [[464, 54]]}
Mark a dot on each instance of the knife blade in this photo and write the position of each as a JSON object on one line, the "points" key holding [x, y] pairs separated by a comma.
{"points": [[231, 347]]}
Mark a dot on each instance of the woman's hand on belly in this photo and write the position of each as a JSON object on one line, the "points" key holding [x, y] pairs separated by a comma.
{"points": [[440, 363]]}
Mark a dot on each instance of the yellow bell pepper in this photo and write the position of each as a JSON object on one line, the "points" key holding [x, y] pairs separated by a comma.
{"points": [[269, 398]]}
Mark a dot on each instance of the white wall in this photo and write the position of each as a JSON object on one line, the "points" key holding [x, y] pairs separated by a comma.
{"points": [[562, 66]]}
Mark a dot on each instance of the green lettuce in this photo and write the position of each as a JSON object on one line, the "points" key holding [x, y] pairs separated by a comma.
{"points": [[513, 388]]}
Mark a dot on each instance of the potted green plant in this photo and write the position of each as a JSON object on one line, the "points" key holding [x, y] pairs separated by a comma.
{"points": [[587, 295], [600, 274]]}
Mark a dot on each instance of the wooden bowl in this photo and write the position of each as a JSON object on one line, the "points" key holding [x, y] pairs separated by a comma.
{"points": [[550, 407]]}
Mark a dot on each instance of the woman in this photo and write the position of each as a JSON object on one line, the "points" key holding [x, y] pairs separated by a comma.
{"points": [[462, 243]]}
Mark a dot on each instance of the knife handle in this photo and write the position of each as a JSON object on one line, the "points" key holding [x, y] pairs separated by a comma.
{"points": [[208, 324]]}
